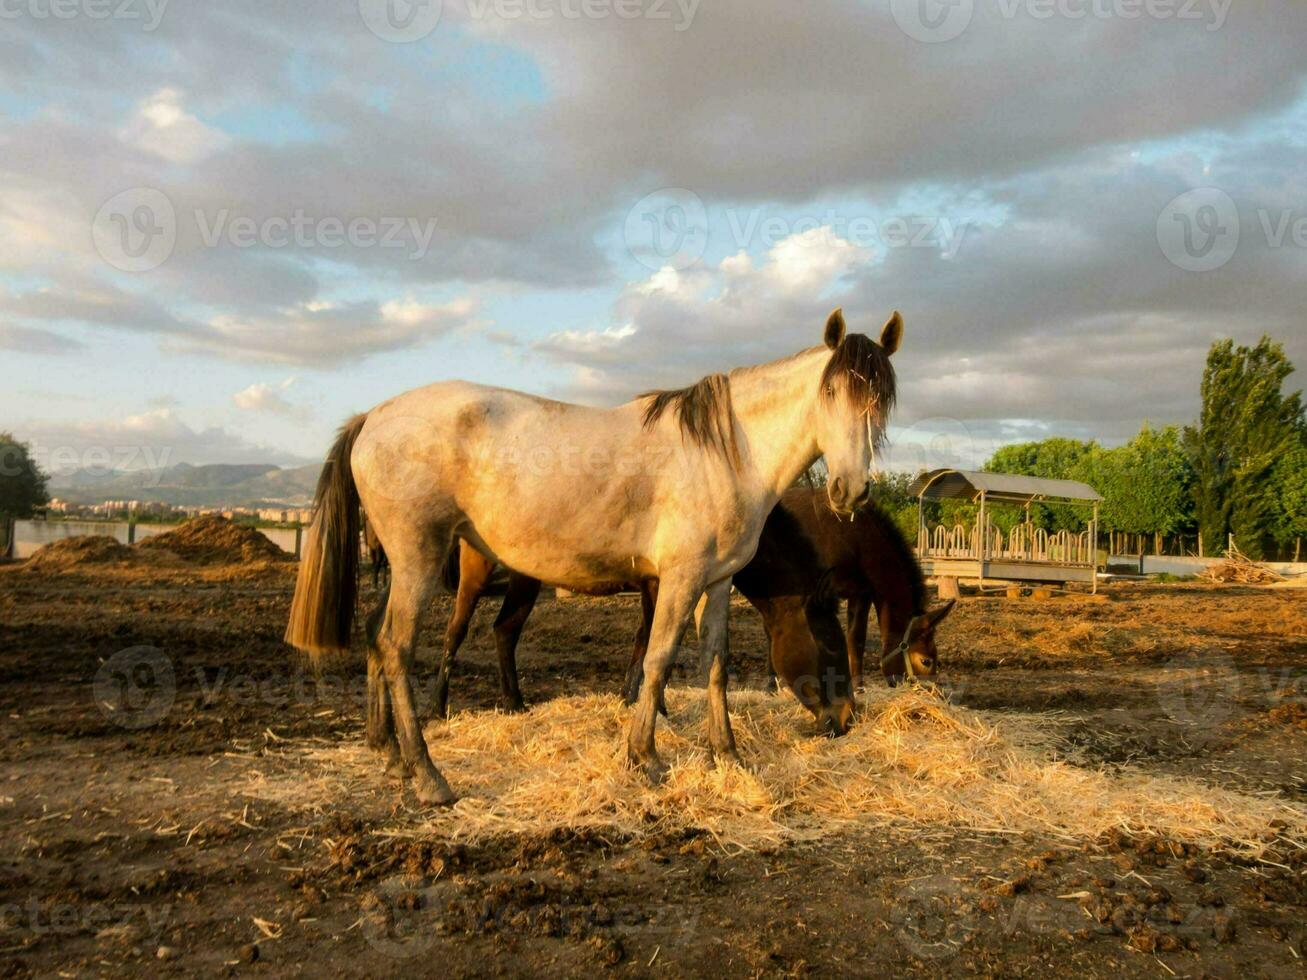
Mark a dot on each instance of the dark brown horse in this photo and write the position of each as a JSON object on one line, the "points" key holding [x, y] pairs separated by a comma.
{"points": [[865, 560], [806, 649], [869, 563]]}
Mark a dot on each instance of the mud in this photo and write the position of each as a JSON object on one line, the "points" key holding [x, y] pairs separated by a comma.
{"points": [[133, 698]]}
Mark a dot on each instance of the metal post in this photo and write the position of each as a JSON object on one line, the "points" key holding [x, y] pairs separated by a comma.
{"points": [[1093, 551], [921, 521]]}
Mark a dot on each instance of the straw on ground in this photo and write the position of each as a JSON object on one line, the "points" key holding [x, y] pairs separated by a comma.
{"points": [[913, 759]]}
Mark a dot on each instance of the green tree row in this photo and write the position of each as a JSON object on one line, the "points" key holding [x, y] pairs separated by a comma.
{"points": [[1240, 470]]}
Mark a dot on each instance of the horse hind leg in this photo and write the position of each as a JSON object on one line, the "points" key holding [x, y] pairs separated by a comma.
{"points": [[380, 715], [412, 583], [474, 571], [518, 603]]}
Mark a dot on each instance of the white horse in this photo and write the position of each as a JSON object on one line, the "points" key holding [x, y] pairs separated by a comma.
{"points": [[673, 486]]}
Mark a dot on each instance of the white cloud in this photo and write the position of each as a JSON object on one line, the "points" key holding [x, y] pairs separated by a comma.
{"points": [[153, 439], [162, 126], [675, 326], [263, 397]]}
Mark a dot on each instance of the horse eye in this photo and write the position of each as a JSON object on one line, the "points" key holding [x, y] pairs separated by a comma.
{"points": [[830, 391]]}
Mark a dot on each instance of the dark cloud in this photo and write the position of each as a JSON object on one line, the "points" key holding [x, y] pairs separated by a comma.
{"points": [[1062, 309]]}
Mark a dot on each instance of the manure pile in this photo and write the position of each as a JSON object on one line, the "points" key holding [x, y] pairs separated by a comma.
{"points": [[82, 550], [213, 540]]}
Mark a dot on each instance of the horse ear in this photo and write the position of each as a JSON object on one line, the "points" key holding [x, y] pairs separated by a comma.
{"points": [[892, 333], [835, 329], [936, 615], [917, 625]]}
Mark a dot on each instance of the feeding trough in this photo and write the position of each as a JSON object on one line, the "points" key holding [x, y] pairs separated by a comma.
{"points": [[1026, 553]]}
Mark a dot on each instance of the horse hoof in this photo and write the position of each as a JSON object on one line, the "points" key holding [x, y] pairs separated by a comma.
{"points": [[434, 791], [395, 766], [653, 768], [517, 707]]}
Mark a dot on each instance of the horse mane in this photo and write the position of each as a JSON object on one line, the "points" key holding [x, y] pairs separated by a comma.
{"points": [[897, 543], [868, 376], [703, 412]]}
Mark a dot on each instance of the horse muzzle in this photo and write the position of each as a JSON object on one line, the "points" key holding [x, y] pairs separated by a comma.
{"points": [[836, 719]]}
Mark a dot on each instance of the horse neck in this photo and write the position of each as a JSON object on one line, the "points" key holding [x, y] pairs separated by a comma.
{"points": [[891, 577], [774, 408]]}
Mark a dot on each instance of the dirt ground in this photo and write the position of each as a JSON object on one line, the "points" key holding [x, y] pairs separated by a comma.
{"points": [[134, 697]]}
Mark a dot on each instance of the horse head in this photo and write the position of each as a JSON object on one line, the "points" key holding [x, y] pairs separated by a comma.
{"points": [[915, 656], [857, 393]]}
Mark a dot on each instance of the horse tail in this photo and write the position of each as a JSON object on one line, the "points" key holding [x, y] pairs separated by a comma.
{"points": [[322, 612], [449, 574]]}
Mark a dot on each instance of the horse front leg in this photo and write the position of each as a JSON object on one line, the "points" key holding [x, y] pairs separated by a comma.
{"points": [[676, 598], [635, 670], [714, 623], [856, 635], [518, 603]]}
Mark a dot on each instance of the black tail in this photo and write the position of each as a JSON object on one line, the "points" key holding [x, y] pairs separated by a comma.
{"points": [[322, 612]]}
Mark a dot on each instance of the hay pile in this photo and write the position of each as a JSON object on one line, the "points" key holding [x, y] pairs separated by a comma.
{"points": [[1238, 567], [913, 760], [213, 540], [81, 550]]}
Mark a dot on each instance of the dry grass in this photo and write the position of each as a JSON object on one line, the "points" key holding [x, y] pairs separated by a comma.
{"points": [[913, 760]]}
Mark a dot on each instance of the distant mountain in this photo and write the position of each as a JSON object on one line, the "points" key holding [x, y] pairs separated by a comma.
{"points": [[214, 485]]}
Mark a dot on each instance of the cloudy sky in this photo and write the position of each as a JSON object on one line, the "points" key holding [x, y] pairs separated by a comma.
{"points": [[226, 226]]}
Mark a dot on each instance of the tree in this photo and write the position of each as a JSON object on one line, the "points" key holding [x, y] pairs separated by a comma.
{"points": [[22, 484], [1146, 483], [1247, 426], [889, 492], [1289, 515], [1052, 459]]}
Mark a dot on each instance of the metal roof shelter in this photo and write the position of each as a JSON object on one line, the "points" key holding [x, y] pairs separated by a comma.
{"points": [[1027, 553], [1006, 487]]}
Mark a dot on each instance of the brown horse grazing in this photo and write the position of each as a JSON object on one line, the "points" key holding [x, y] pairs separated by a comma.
{"points": [[781, 581], [869, 563]]}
